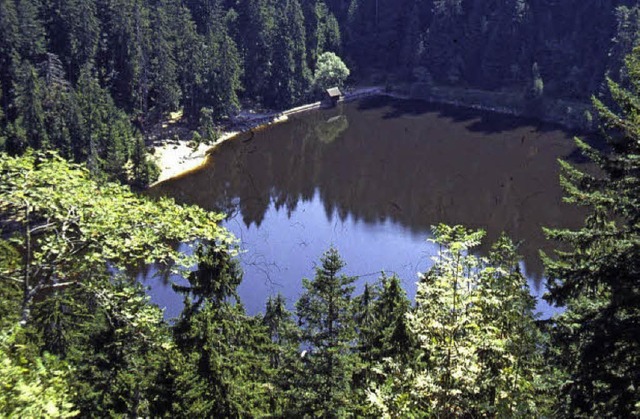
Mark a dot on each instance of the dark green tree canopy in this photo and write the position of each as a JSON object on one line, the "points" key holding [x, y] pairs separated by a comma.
{"points": [[597, 279]]}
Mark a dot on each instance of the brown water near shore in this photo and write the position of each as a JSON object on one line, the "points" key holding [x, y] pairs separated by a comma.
{"points": [[371, 178]]}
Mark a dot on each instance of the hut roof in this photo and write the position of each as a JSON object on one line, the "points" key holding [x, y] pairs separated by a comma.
{"points": [[334, 92]]}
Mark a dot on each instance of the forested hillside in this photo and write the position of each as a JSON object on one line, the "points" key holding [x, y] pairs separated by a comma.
{"points": [[88, 78], [83, 80], [492, 44]]}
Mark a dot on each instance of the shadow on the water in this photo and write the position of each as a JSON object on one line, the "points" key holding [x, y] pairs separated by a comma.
{"points": [[594, 140], [475, 120], [491, 123], [415, 172]]}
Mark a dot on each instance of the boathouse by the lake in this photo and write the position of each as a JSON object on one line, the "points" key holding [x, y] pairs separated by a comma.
{"points": [[333, 96]]}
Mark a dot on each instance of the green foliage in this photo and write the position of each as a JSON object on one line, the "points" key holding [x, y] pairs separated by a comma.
{"points": [[69, 225], [596, 277], [110, 141], [120, 351], [164, 92], [196, 140], [29, 95], [32, 385], [384, 339], [322, 29], [230, 370], [74, 77], [221, 74], [330, 72], [290, 74], [31, 39], [284, 357], [147, 58], [209, 132], [327, 329], [227, 352], [69, 245], [478, 341]]}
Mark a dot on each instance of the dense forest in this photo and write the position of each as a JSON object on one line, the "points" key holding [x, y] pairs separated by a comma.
{"points": [[81, 83]]}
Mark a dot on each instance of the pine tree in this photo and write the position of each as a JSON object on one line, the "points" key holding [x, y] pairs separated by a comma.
{"points": [[189, 55], [227, 350], [321, 29], [2, 124], [9, 58], [32, 40], [290, 76], [84, 35], [395, 339], [221, 69], [57, 105], [74, 29], [164, 90], [285, 358], [597, 278], [325, 317], [368, 333], [28, 103], [119, 350], [256, 46], [108, 141]]}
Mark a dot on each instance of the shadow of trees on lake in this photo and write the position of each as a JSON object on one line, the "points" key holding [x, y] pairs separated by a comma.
{"points": [[419, 168]]}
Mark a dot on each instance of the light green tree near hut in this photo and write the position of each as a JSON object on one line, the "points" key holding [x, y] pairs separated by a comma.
{"points": [[331, 71]]}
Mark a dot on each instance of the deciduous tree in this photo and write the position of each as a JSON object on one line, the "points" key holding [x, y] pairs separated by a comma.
{"points": [[476, 331]]}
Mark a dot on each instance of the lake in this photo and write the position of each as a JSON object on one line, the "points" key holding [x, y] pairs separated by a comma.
{"points": [[371, 178]]}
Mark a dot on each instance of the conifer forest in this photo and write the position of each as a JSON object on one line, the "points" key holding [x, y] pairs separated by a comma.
{"points": [[84, 84]]}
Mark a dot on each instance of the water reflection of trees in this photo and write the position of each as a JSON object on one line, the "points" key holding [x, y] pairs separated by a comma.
{"points": [[417, 169]]}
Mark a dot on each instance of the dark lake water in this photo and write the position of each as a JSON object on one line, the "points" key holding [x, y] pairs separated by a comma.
{"points": [[371, 178]]}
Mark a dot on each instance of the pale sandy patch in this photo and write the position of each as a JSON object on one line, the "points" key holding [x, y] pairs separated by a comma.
{"points": [[174, 159]]}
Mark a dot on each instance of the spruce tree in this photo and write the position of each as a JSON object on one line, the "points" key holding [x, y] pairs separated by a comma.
{"points": [[223, 369], [2, 124], [84, 34], [32, 37], [395, 339], [290, 76], [327, 326], [74, 29], [368, 333], [28, 102], [9, 57], [190, 57], [57, 105], [284, 359], [597, 278], [164, 89], [256, 46]]}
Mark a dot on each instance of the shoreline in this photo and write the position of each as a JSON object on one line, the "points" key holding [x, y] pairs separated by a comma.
{"points": [[176, 157]]}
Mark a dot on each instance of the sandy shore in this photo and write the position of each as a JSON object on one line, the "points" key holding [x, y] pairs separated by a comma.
{"points": [[175, 157]]}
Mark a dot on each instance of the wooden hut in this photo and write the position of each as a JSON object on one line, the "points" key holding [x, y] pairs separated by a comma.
{"points": [[333, 96]]}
